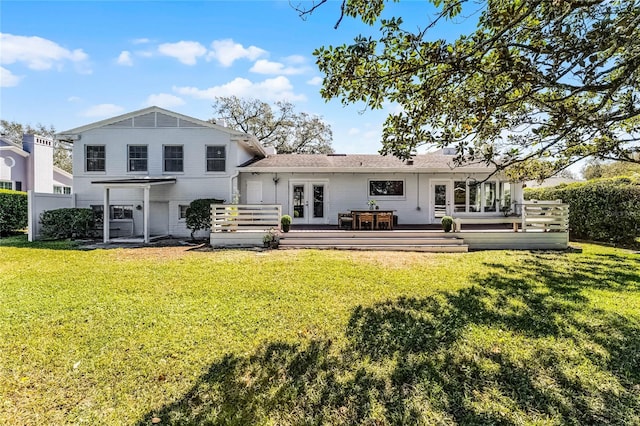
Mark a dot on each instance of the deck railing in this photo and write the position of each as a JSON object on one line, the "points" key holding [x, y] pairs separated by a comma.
{"points": [[245, 217], [545, 216]]}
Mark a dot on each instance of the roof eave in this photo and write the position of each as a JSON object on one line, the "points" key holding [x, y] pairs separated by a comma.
{"points": [[258, 169]]}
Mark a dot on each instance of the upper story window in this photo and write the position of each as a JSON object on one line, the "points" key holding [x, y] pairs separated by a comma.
{"points": [[137, 158], [216, 158], [381, 188], [95, 158], [173, 158]]}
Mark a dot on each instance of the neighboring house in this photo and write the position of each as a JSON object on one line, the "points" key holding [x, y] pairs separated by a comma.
{"points": [[145, 167], [30, 167]]}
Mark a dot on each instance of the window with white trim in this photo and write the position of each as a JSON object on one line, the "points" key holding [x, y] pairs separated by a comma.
{"points": [[386, 188], [6, 184], [216, 158], [95, 156], [120, 212], [137, 158], [173, 158], [58, 189], [182, 211]]}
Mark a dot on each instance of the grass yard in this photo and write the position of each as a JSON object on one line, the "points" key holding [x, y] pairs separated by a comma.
{"points": [[123, 336]]}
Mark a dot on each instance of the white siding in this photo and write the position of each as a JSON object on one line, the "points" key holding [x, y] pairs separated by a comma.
{"points": [[347, 191], [193, 183]]}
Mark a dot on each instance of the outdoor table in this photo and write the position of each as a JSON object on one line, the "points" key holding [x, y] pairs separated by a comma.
{"points": [[356, 213]]}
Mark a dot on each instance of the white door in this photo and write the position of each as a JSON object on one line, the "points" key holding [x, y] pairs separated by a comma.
{"points": [[254, 192], [158, 218], [441, 196], [308, 202]]}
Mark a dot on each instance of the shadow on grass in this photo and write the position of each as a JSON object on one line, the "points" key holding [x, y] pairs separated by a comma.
{"points": [[21, 241], [522, 345]]}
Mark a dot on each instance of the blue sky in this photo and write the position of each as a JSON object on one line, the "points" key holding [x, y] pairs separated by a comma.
{"points": [[70, 63]]}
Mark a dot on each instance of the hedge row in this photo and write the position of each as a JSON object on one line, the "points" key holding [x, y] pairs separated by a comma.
{"points": [[67, 223], [14, 214], [599, 210]]}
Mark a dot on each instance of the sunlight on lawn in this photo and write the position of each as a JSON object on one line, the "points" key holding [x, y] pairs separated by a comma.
{"points": [[288, 337]]}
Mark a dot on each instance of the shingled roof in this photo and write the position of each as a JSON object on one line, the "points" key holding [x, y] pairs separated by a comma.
{"points": [[359, 163]]}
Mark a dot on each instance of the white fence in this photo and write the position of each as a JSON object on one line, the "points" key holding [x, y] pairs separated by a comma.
{"points": [[40, 202], [237, 225], [545, 216], [242, 217]]}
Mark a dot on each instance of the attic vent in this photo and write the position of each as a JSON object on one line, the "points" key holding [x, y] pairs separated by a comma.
{"points": [[146, 120], [409, 162], [165, 120], [187, 123], [449, 151], [124, 123], [336, 155]]}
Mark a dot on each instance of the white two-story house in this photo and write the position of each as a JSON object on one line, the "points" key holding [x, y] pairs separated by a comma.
{"points": [[142, 170]]}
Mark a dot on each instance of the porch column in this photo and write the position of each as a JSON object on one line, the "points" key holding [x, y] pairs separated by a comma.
{"points": [[145, 220], [105, 216]]}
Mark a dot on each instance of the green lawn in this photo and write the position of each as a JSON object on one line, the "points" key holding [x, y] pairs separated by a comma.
{"points": [[122, 336]]}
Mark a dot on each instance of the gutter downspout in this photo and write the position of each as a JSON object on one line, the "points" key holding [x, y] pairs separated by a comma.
{"points": [[233, 186]]}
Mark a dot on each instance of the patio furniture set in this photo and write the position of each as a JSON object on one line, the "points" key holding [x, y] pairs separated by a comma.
{"points": [[366, 219]]}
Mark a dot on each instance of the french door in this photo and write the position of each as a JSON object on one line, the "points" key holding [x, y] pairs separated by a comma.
{"points": [[307, 202], [441, 196]]}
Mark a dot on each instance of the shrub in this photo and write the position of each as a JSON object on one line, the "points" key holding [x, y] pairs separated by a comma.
{"points": [[285, 221], [67, 223], [199, 214], [599, 210], [13, 211], [447, 223]]}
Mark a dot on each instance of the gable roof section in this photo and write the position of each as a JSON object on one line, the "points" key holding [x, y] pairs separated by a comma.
{"points": [[156, 117], [8, 145], [361, 163]]}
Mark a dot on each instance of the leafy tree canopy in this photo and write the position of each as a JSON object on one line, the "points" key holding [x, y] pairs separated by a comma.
{"points": [[538, 86], [280, 126], [14, 131], [597, 169]]}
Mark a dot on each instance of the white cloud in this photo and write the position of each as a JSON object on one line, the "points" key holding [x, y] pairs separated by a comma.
{"points": [[103, 110], [263, 66], [164, 100], [8, 79], [140, 41], [295, 59], [39, 53], [227, 52], [271, 89], [73, 99], [125, 58], [186, 52], [353, 131], [315, 81], [144, 53]]}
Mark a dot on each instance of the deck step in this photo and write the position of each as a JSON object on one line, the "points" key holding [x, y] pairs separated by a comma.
{"points": [[432, 248], [375, 240]]}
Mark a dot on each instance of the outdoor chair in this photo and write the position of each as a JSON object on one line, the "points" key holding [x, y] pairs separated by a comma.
{"points": [[345, 219], [366, 220], [384, 220]]}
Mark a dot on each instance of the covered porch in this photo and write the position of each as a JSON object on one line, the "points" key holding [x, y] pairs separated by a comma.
{"points": [[145, 184]]}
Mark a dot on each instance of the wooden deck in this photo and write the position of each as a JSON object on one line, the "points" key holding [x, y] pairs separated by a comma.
{"points": [[545, 229]]}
